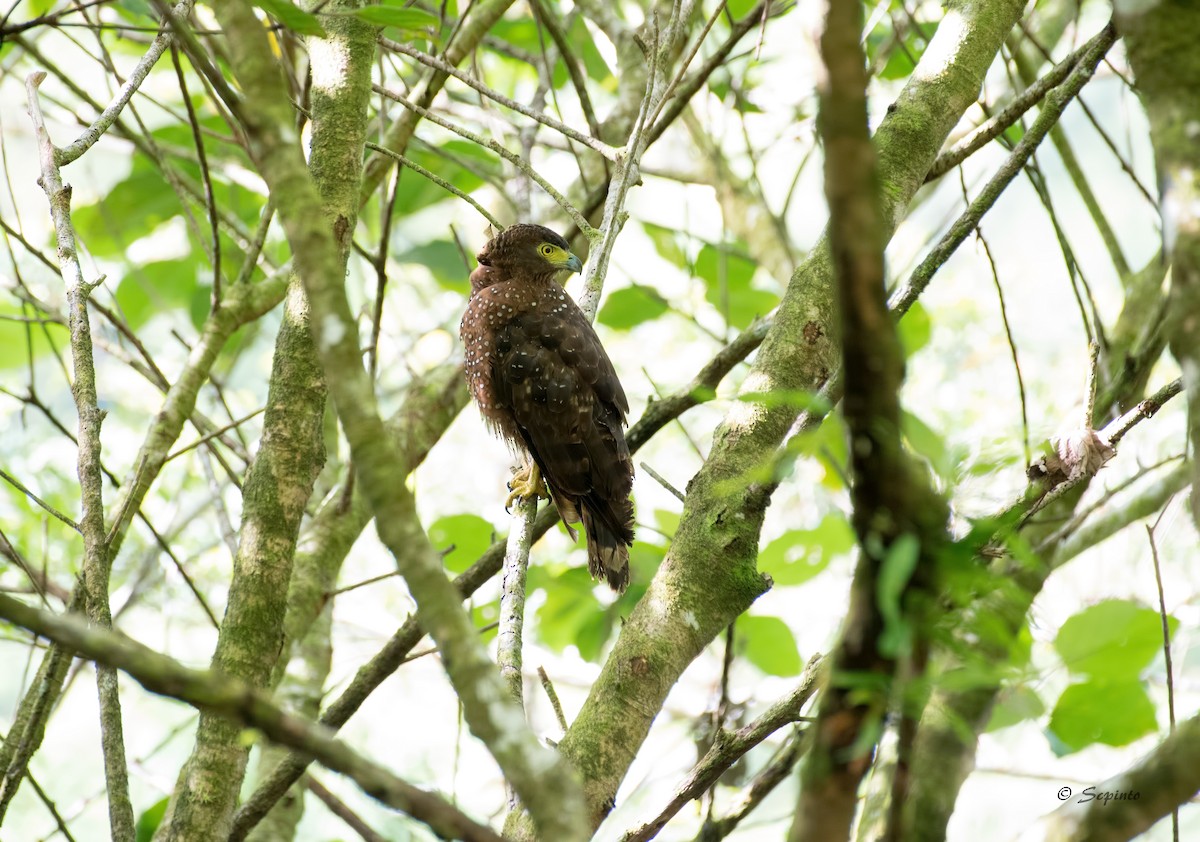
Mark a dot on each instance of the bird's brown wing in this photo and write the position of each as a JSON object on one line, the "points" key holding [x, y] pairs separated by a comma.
{"points": [[552, 372]]}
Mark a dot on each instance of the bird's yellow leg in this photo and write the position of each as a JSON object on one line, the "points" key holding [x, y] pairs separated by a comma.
{"points": [[526, 484]]}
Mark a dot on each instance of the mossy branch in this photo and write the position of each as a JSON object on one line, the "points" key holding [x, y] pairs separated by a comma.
{"points": [[709, 575], [540, 778], [239, 702], [97, 564], [339, 537]]}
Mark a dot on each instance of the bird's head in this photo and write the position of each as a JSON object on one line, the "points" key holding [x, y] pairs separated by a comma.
{"points": [[526, 252]]}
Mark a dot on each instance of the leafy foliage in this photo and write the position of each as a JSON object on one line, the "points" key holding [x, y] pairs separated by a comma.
{"points": [[1111, 712], [462, 538], [1113, 640], [769, 644]]}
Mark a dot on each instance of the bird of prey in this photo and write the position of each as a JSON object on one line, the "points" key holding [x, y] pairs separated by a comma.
{"points": [[543, 382]]}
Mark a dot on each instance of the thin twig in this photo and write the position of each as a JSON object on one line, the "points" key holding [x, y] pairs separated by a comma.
{"points": [[980, 136], [340, 809], [96, 560], [549, 20], [708, 25], [689, 87], [661, 480], [624, 175], [512, 596], [220, 431], [1096, 125], [1166, 630], [16, 483], [1012, 343], [548, 686], [1056, 102], [436, 179], [1078, 519], [728, 748], [515, 160], [235, 699], [210, 201], [1111, 435], [96, 130], [774, 773]]}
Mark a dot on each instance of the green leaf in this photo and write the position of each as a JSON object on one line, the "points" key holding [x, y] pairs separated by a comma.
{"points": [[904, 56], [291, 16], [632, 305], [129, 210], [1015, 705], [1114, 713], [1013, 134], [419, 192], [593, 60], [666, 243], [522, 33], [584, 46], [727, 276], [149, 820], [570, 606], [17, 337], [1113, 640], [827, 444], [443, 259], [768, 643], [128, 9], [470, 535], [929, 445], [397, 16], [915, 329], [894, 575], [797, 556], [668, 522], [156, 288], [483, 616], [739, 8], [200, 305], [716, 265], [593, 633]]}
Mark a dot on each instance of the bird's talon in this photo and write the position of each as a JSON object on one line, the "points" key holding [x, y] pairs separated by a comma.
{"points": [[526, 484]]}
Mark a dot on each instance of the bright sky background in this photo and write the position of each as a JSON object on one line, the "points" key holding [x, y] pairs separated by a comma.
{"points": [[961, 384]]}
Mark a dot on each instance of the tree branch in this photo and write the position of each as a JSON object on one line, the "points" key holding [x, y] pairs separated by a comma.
{"points": [[1056, 102], [97, 562], [900, 521], [709, 575], [341, 536], [96, 130], [545, 786], [728, 748], [592, 143], [1159, 40], [982, 135], [233, 699], [1109, 812]]}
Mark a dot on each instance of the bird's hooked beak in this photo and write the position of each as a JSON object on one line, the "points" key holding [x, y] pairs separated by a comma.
{"points": [[573, 263]]}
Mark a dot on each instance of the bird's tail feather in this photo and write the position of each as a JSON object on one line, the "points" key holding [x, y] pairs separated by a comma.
{"points": [[608, 550]]}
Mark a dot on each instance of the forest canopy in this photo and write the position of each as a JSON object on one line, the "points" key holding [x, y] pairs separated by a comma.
{"points": [[903, 298]]}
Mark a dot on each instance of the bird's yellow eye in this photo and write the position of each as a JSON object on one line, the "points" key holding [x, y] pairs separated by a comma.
{"points": [[546, 249]]}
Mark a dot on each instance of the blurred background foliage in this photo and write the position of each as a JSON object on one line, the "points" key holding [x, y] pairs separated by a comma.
{"points": [[731, 200]]}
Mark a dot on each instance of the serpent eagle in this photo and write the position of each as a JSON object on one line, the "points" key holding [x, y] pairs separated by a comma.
{"points": [[544, 383]]}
